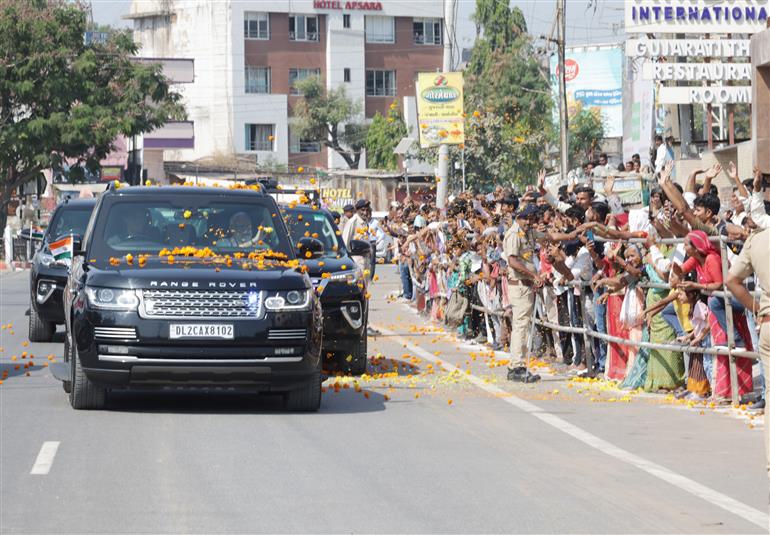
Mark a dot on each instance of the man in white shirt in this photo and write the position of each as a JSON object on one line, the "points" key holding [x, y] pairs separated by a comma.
{"points": [[662, 154]]}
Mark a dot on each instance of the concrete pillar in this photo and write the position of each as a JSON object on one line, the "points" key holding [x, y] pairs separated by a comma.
{"points": [[760, 104]]}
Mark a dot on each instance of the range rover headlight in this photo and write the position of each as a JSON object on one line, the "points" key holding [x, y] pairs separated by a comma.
{"points": [[287, 300], [112, 298]]}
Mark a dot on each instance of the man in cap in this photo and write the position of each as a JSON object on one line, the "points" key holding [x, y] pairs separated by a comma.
{"points": [[523, 279], [348, 211], [355, 224]]}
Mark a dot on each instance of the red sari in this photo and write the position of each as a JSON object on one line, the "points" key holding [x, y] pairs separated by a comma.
{"points": [[617, 354], [708, 272]]}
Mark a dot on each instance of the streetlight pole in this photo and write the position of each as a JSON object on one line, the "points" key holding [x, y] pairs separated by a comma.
{"points": [[563, 117], [443, 149]]}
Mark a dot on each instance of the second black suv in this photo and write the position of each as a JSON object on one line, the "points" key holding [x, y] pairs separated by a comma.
{"points": [[341, 283], [193, 287], [49, 272]]}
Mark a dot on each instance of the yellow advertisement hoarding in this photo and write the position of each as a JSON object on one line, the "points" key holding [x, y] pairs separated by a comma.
{"points": [[440, 108]]}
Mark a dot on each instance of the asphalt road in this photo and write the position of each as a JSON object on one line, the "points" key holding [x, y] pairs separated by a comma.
{"points": [[428, 449]]}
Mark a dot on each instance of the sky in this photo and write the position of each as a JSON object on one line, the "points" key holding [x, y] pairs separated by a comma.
{"points": [[588, 21]]}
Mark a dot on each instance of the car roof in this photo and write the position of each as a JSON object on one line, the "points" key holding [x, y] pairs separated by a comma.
{"points": [[303, 208], [205, 191], [78, 202]]}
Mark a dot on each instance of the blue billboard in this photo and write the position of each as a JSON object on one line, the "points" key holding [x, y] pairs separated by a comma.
{"points": [[594, 77]]}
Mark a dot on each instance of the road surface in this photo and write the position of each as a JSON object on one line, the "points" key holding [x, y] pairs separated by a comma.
{"points": [[445, 445]]}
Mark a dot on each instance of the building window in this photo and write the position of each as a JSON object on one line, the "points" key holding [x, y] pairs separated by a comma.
{"points": [[380, 83], [346, 21], [298, 144], [303, 28], [256, 25], [380, 29], [427, 31], [259, 137], [258, 79], [296, 75], [346, 74]]}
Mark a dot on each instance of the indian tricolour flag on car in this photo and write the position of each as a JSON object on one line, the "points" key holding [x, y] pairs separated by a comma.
{"points": [[61, 249]]}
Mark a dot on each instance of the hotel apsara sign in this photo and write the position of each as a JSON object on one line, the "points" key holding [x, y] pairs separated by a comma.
{"points": [[351, 6]]}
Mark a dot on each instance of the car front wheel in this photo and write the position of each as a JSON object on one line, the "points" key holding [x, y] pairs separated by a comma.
{"points": [[84, 394]]}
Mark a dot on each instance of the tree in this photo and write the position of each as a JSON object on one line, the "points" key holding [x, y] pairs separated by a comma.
{"points": [[586, 131], [330, 117], [382, 138], [508, 100], [62, 101]]}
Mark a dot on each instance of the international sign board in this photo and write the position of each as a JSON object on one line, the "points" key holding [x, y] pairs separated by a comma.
{"points": [[696, 16]]}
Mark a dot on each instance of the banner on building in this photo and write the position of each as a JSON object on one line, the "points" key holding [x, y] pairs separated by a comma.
{"points": [[594, 79], [638, 111], [440, 109]]}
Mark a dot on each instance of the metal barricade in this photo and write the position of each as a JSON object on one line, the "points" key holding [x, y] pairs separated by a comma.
{"points": [[538, 318]]}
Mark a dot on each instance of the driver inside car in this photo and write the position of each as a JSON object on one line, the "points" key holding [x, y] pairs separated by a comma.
{"points": [[132, 228]]}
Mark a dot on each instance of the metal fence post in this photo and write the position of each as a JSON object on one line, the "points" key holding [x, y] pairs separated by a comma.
{"points": [[730, 325]]}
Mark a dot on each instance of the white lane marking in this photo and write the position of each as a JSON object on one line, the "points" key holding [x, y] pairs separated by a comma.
{"points": [[44, 459], [712, 496]]}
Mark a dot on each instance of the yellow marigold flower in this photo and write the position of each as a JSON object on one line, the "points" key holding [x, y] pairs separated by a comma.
{"points": [[300, 169], [187, 214]]}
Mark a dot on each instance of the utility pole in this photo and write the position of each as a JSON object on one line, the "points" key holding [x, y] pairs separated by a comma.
{"points": [[561, 24], [443, 149]]}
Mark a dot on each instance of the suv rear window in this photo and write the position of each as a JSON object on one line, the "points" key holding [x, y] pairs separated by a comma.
{"points": [[304, 224], [68, 221], [150, 225]]}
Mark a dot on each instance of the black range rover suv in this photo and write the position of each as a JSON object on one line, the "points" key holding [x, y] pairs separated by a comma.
{"points": [[48, 274], [190, 286], [341, 283]]}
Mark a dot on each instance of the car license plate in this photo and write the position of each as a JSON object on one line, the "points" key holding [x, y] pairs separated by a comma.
{"points": [[201, 330]]}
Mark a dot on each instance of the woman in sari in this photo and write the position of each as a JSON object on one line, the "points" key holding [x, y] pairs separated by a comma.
{"points": [[665, 368], [705, 259]]}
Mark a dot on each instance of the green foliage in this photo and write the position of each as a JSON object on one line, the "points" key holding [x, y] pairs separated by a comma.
{"points": [[507, 98], [321, 114], [61, 100], [382, 138], [586, 131]]}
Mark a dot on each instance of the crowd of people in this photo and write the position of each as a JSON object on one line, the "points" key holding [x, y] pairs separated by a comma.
{"points": [[578, 258]]}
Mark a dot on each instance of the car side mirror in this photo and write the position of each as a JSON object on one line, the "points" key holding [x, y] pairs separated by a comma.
{"points": [[77, 245], [360, 248], [309, 248]]}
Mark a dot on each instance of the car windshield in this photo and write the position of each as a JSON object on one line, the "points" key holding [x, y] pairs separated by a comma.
{"points": [[151, 225], [316, 224], [69, 220]]}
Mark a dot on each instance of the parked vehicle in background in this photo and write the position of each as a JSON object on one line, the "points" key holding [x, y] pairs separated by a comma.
{"points": [[48, 274]]}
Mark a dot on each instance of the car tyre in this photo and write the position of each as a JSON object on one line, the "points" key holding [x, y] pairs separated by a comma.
{"points": [[307, 398], [39, 329], [360, 360], [84, 394], [67, 385]]}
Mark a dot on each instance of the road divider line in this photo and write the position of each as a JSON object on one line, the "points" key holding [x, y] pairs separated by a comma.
{"points": [[731, 505], [44, 459]]}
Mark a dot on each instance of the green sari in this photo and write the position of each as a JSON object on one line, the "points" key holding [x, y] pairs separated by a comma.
{"points": [[665, 369]]}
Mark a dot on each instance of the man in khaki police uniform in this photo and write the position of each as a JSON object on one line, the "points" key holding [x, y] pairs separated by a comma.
{"points": [[755, 257], [519, 251]]}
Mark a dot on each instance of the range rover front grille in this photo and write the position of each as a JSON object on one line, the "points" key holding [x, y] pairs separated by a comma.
{"points": [[200, 304]]}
